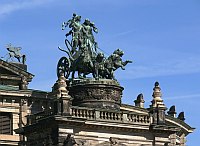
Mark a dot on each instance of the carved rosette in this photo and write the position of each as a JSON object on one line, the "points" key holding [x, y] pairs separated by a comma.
{"points": [[103, 93]]}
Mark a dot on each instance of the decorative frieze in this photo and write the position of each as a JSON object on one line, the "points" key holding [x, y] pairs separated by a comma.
{"points": [[102, 93]]}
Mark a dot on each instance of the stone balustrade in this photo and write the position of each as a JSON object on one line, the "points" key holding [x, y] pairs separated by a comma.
{"points": [[113, 116], [104, 115], [83, 113], [97, 115], [145, 119]]}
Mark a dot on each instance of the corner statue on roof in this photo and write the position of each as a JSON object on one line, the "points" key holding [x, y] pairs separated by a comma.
{"points": [[14, 52], [84, 56]]}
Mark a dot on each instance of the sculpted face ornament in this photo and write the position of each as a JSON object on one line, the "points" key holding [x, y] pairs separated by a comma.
{"points": [[83, 54]]}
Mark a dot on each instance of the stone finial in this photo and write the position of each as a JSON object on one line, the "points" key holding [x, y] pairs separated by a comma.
{"points": [[60, 87], [157, 108], [172, 111], [157, 100], [181, 116], [63, 100], [139, 102], [60, 83]]}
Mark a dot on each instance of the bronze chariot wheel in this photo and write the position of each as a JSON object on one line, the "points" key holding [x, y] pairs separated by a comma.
{"points": [[63, 66]]}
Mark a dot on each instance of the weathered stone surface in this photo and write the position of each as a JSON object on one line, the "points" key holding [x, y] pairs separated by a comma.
{"points": [[103, 93]]}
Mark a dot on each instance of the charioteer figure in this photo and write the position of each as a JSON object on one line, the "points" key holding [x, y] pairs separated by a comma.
{"points": [[88, 37], [75, 32]]}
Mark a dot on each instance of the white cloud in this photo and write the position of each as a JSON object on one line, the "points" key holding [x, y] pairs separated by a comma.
{"points": [[124, 33], [183, 97], [163, 68], [10, 7]]}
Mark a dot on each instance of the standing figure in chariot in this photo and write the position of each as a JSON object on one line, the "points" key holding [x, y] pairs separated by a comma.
{"points": [[88, 37], [76, 32]]}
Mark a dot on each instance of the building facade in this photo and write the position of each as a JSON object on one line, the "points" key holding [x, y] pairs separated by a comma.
{"points": [[82, 112]]}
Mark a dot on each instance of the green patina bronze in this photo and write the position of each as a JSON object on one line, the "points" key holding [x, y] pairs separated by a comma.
{"points": [[84, 56]]}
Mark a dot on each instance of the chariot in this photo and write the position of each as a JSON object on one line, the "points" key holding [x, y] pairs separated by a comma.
{"points": [[82, 53], [81, 61]]}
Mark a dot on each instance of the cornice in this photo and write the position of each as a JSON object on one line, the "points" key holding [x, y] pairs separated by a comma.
{"points": [[179, 123], [16, 70]]}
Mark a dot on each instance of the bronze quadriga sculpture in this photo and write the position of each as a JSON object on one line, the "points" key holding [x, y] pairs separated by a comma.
{"points": [[84, 57]]}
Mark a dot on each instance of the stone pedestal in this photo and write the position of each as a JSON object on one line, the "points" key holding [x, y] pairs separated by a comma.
{"points": [[20, 65], [102, 93]]}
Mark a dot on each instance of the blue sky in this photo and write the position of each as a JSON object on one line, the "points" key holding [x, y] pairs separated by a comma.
{"points": [[161, 37]]}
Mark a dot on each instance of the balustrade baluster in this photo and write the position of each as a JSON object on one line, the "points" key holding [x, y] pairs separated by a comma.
{"points": [[78, 112], [132, 118], [111, 116], [145, 119], [128, 118], [117, 117], [100, 115], [93, 113], [89, 115], [83, 112], [120, 117], [75, 112], [107, 115], [142, 119], [138, 118]]}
